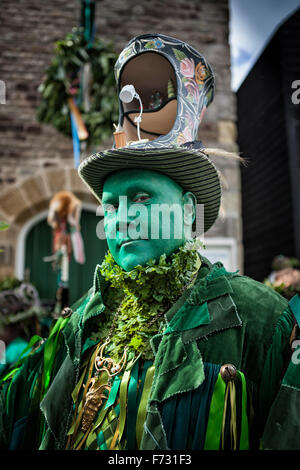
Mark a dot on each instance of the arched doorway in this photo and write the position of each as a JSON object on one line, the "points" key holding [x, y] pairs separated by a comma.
{"points": [[35, 242]]}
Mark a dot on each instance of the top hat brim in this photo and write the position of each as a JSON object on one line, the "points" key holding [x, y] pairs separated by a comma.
{"points": [[190, 168]]}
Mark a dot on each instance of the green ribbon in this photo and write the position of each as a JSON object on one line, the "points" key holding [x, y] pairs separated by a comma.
{"points": [[75, 393], [142, 411], [102, 444], [90, 439], [113, 392], [33, 376], [123, 401], [217, 411], [87, 20], [131, 407], [101, 441], [215, 418], [244, 438], [79, 438], [31, 343], [21, 359], [50, 352], [147, 364]]}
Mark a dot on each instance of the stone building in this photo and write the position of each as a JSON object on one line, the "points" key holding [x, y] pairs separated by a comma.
{"points": [[37, 161]]}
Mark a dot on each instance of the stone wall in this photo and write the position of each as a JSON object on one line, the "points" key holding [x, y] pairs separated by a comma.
{"points": [[35, 158]]}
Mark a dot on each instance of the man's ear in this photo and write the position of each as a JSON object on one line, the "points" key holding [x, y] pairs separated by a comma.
{"points": [[189, 213]]}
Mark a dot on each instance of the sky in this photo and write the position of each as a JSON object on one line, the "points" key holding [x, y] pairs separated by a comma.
{"points": [[252, 24]]}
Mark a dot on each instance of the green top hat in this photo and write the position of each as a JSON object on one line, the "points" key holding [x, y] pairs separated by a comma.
{"points": [[190, 168]]}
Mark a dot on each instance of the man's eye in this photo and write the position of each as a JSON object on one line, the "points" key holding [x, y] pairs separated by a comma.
{"points": [[110, 208], [141, 198]]}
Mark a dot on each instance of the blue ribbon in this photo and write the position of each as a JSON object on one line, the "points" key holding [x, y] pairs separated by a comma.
{"points": [[76, 141]]}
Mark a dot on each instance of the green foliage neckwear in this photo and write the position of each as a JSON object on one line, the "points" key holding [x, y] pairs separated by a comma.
{"points": [[143, 293]]}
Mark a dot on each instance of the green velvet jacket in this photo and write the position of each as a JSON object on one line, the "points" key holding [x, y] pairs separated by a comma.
{"points": [[223, 318]]}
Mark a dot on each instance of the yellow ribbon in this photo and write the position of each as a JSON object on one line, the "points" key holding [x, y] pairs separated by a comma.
{"points": [[231, 391]]}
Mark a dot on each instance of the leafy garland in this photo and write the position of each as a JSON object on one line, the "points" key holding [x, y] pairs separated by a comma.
{"points": [[279, 263], [141, 294], [286, 291], [61, 82]]}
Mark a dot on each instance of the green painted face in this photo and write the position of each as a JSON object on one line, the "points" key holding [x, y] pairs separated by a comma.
{"points": [[140, 207]]}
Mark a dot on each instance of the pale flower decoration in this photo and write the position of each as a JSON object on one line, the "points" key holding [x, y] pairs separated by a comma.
{"points": [[187, 68]]}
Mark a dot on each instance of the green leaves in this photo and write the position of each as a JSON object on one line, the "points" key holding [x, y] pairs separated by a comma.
{"points": [[179, 54], [136, 342], [62, 78], [142, 294]]}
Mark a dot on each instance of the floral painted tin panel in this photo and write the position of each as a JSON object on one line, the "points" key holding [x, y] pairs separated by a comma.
{"points": [[195, 84]]}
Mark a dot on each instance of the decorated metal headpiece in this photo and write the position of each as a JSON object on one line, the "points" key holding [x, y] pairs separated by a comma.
{"points": [[175, 84]]}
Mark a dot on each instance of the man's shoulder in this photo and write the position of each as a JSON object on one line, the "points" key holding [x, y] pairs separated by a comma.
{"points": [[80, 303], [251, 289], [251, 297], [255, 299]]}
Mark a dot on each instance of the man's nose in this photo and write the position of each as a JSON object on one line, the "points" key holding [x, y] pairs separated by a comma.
{"points": [[123, 220]]}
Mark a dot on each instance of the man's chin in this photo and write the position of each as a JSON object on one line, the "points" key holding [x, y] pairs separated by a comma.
{"points": [[139, 252], [132, 254], [129, 262]]}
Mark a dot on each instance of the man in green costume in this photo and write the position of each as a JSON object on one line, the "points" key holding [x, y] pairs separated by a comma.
{"points": [[166, 350]]}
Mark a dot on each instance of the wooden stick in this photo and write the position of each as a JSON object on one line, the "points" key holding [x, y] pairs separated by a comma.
{"points": [[81, 129]]}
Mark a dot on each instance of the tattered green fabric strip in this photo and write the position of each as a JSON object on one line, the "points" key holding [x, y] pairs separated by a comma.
{"points": [[214, 425], [147, 364], [123, 401], [92, 437], [101, 441], [72, 428], [9, 375], [76, 390], [32, 379], [244, 438], [30, 345], [113, 393], [141, 415], [132, 407], [33, 341], [50, 351]]}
